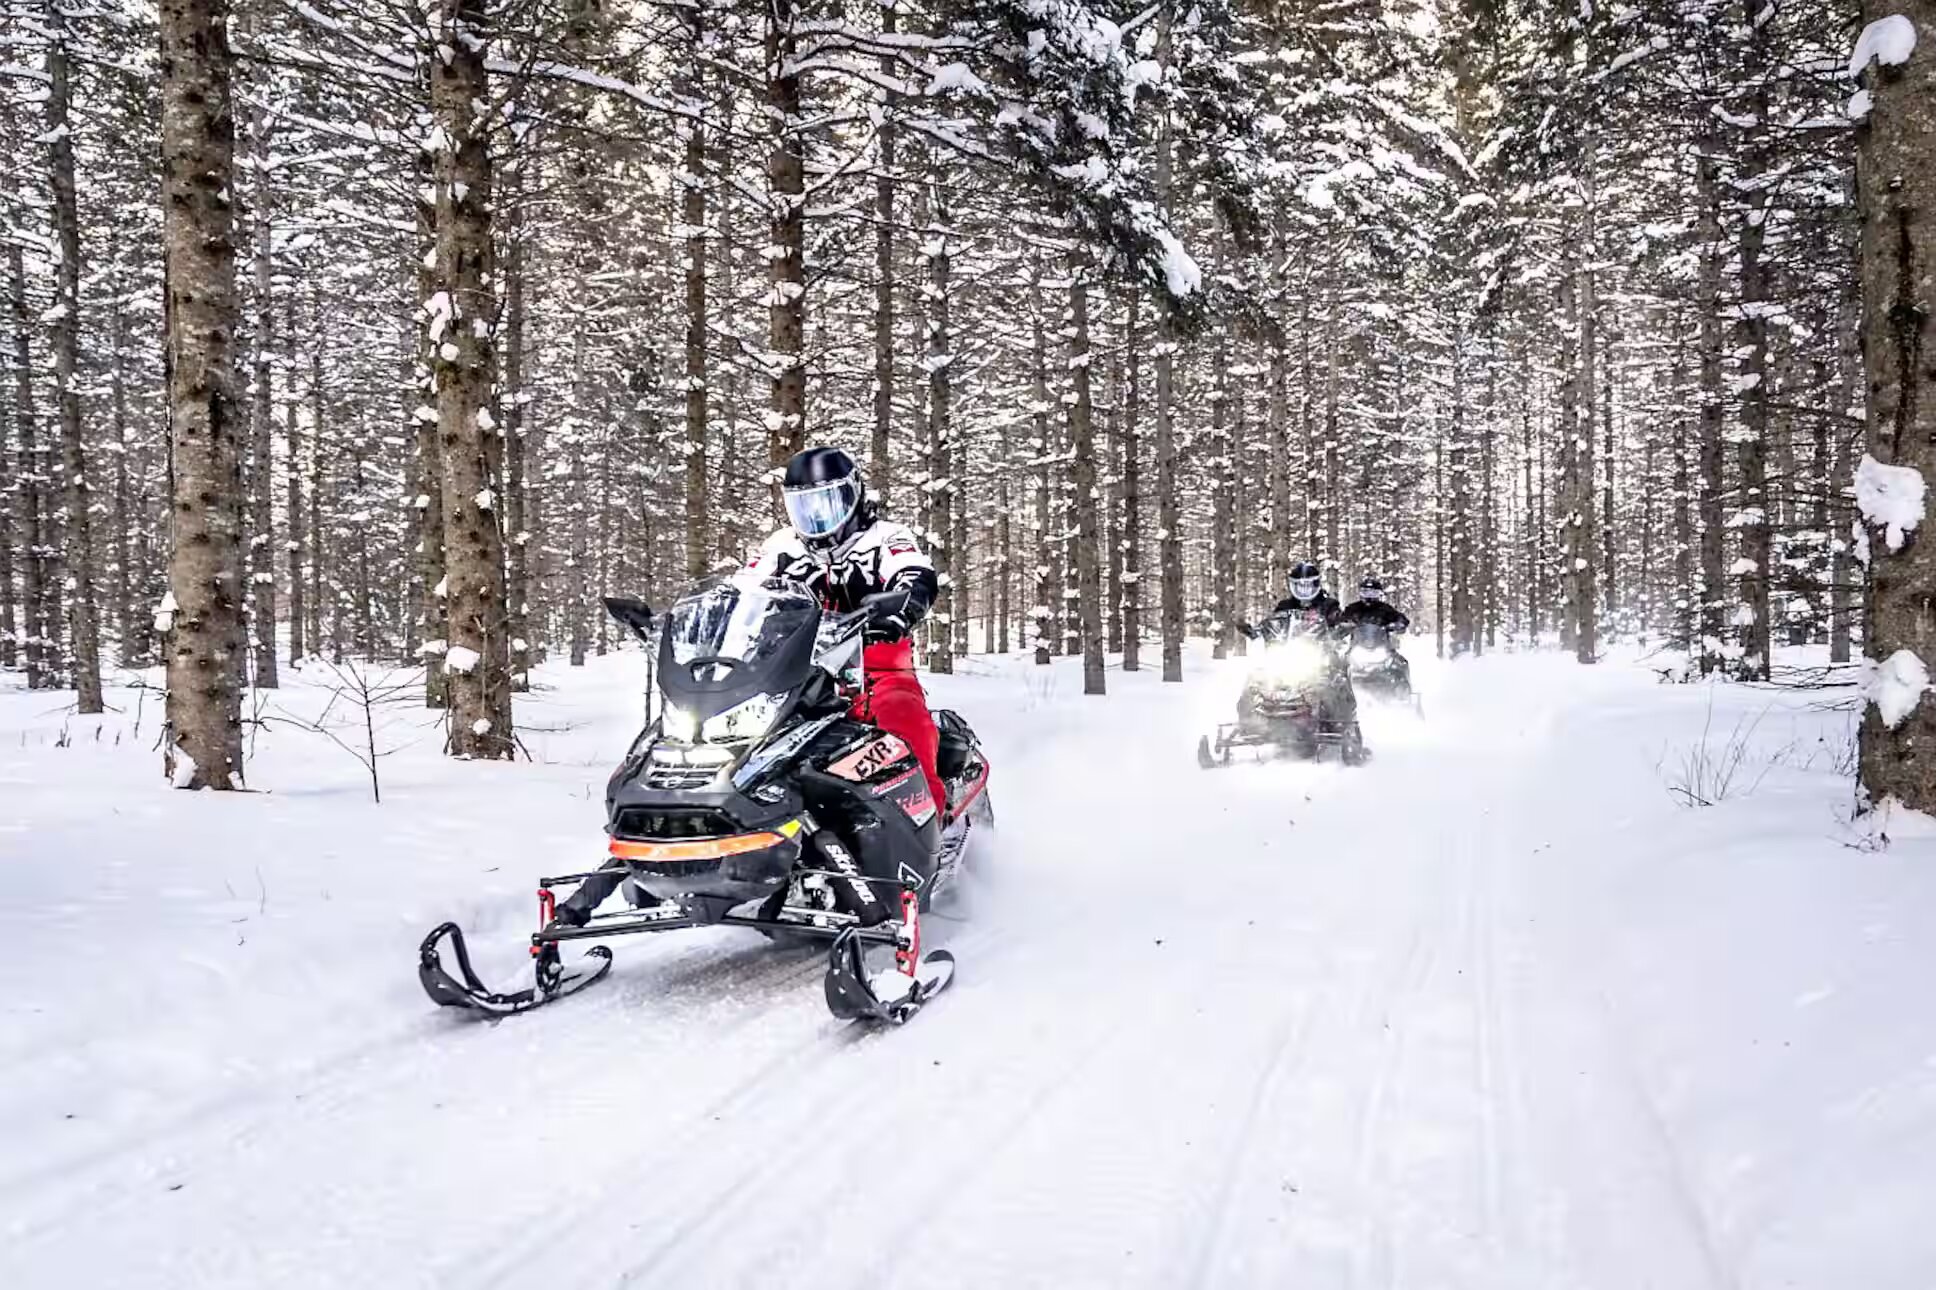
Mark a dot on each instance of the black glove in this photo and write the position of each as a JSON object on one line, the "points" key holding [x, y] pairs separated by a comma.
{"points": [[887, 628]]}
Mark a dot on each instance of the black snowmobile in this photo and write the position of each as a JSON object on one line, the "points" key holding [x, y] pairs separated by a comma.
{"points": [[757, 800], [1297, 700], [1378, 669]]}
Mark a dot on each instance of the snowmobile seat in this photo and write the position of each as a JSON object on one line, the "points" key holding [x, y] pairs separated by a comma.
{"points": [[957, 742]]}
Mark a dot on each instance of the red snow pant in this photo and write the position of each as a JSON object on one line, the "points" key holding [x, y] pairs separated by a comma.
{"points": [[895, 702]]}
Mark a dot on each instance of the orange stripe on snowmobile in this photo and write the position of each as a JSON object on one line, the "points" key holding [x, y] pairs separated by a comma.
{"points": [[706, 849]]}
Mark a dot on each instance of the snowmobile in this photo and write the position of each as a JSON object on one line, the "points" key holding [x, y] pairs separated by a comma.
{"points": [[1378, 669], [756, 799], [1297, 700]]}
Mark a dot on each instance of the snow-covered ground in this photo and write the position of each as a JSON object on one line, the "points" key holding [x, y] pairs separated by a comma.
{"points": [[1495, 1011]]}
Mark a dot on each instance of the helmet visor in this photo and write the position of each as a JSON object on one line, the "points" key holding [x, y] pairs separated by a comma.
{"points": [[1305, 588], [819, 511], [1371, 591]]}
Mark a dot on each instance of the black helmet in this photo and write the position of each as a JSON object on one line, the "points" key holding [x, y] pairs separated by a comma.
{"points": [[1307, 580], [824, 491], [1371, 587]]}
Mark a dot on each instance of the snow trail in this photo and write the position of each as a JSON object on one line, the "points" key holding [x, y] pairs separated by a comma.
{"points": [[1271, 1025]]}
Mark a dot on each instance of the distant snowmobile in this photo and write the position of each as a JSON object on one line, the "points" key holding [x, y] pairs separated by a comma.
{"points": [[1298, 699], [758, 800], [1378, 669]]}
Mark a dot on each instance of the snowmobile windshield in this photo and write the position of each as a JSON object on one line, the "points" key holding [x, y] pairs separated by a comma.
{"points": [[737, 622], [731, 641], [1370, 635]]}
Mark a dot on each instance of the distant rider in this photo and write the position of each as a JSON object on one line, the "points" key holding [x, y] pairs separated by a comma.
{"points": [[843, 551], [1372, 607]]}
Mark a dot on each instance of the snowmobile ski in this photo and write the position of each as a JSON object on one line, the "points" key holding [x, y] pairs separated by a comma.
{"points": [[851, 995], [553, 982]]}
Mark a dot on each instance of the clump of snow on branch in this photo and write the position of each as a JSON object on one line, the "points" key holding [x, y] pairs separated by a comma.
{"points": [[1896, 685], [165, 613], [462, 659], [1890, 498], [1179, 269], [1889, 41]]}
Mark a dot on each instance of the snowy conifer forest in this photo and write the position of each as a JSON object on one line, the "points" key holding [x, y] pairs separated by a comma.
{"points": [[356, 352]]}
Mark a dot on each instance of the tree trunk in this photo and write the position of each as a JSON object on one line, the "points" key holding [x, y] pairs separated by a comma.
{"points": [[1082, 443], [1581, 551], [292, 484], [517, 499], [262, 533], [1713, 613], [1754, 519], [318, 539], [434, 312], [85, 632], [1223, 538], [203, 748], [464, 365], [1112, 537], [1047, 586], [1568, 501], [28, 494], [940, 486], [692, 219], [1848, 384], [786, 194], [1133, 495], [10, 498], [1896, 192], [1683, 503], [880, 448], [1169, 521]]}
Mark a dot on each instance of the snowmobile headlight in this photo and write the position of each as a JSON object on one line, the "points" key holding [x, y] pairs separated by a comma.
{"points": [[1295, 663], [1369, 655], [678, 724], [743, 721]]}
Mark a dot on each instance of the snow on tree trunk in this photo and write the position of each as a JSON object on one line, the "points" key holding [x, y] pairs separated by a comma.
{"points": [[203, 746], [1896, 192], [463, 363]]}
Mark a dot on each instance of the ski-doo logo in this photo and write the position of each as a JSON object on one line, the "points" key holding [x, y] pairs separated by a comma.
{"points": [[862, 889], [871, 760]]}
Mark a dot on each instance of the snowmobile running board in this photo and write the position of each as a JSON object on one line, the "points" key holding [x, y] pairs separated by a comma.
{"points": [[850, 994]]}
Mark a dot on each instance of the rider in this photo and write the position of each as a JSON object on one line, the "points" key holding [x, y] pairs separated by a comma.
{"points": [[1308, 594], [840, 548], [843, 551], [1372, 607]]}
